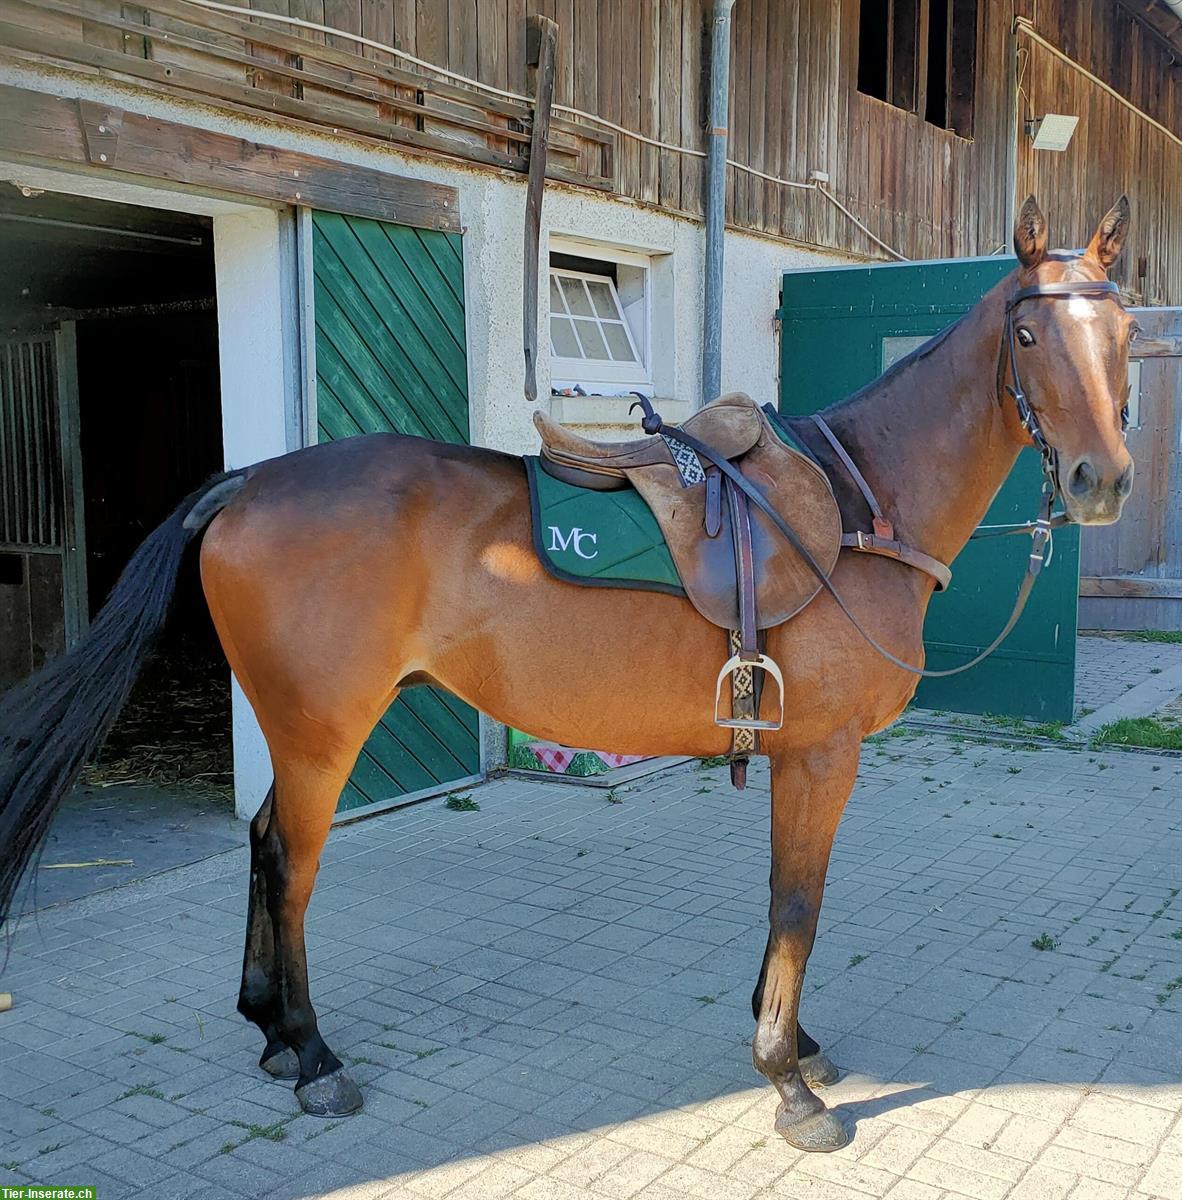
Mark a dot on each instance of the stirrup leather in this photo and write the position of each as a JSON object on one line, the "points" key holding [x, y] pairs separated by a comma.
{"points": [[734, 663]]}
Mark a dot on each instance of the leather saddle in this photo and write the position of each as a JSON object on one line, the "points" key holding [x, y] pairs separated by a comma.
{"points": [[737, 570]]}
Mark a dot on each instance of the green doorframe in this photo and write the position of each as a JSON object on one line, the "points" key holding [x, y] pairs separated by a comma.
{"points": [[384, 350], [840, 328]]}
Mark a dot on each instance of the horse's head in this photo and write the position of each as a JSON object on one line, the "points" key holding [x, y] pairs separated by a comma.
{"points": [[1071, 354]]}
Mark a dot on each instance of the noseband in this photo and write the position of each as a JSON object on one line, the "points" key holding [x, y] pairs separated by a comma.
{"points": [[1009, 346]]}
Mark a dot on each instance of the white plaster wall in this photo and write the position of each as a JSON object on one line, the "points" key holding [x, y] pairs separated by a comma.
{"points": [[491, 205], [252, 352]]}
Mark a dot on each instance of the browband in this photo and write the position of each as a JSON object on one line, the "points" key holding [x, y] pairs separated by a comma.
{"points": [[1079, 287]]}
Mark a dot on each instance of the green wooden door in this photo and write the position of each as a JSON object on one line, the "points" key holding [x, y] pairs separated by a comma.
{"points": [[841, 328], [391, 356]]}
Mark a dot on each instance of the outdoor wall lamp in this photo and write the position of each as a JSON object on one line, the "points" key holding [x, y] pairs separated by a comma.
{"points": [[1051, 132]]}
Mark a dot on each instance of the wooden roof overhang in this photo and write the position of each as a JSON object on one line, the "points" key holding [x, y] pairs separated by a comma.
{"points": [[1162, 23], [54, 131]]}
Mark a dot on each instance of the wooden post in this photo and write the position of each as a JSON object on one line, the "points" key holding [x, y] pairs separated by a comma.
{"points": [[541, 55]]}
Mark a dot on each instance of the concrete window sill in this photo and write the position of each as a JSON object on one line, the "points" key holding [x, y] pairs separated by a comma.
{"points": [[609, 414]]}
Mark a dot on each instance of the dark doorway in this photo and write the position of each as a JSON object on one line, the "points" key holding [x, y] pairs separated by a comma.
{"points": [[123, 421]]}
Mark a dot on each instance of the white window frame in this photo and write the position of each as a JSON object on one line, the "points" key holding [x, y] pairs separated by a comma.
{"points": [[598, 375]]}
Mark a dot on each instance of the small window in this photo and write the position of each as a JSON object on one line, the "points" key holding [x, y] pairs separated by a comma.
{"points": [[587, 322], [888, 40], [921, 56], [598, 317]]}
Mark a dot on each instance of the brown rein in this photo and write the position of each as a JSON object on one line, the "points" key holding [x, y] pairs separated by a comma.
{"points": [[1039, 529]]}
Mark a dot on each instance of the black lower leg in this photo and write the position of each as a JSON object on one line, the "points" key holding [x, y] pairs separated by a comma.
{"points": [[806, 1047], [258, 995], [322, 1086]]}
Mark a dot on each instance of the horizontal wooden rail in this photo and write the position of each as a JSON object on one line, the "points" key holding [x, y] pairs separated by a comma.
{"points": [[1129, 587], [183, 50]]}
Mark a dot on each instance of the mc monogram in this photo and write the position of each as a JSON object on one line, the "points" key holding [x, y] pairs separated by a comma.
{"points": [[573, 541]]}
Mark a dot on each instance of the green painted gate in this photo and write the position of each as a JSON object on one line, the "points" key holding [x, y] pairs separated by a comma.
{"points": [[391, 356], [841, 328]]}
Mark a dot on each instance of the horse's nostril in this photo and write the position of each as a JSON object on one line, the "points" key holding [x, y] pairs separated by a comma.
{"points": [[1083, 479], [1124, 484]]}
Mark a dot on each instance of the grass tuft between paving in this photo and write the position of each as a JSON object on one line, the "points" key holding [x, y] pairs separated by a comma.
{"points": [[1142, 731], [1170, 637]]}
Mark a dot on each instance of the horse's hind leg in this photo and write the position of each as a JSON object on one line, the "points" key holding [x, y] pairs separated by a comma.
{"points": [[305, 796], [258, 996], [816, 1066], [808, 795]]}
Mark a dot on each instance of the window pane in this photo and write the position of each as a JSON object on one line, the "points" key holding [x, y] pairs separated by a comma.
{"points": [[617, 341], [562, 338], [556, 304], [576, 297], [592, 339], [962, 70], [874, 31], [601, 297], [936, 111], [905, 53]]}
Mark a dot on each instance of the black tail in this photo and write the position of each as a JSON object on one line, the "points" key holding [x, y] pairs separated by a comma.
{"points": [[53, 722]]}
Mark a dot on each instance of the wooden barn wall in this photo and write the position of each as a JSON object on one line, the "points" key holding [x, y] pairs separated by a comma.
{"points": [[1146, 540], [1113, 150], [642, 64], [925, 191], [1105, 38]]}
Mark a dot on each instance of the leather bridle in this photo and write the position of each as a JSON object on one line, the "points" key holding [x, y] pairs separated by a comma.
{"points": [[1027, 414], [1040, 529]]}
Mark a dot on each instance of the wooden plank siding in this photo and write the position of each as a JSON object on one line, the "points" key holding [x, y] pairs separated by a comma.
{"points": [[643, 64], [1113, 150], [1131, 572]]}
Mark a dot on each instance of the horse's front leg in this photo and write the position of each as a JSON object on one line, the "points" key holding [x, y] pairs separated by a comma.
{"points": [[809, 791]]}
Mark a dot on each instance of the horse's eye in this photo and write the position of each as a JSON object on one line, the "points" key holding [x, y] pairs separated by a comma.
{"points": [[1134, 333], [1025, 336]]}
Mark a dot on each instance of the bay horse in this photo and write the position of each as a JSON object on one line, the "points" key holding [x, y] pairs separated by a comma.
{"points": [[342, 573]]}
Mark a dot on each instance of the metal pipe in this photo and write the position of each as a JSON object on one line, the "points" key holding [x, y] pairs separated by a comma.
{"points": [[716, 143], [1014, 124]]}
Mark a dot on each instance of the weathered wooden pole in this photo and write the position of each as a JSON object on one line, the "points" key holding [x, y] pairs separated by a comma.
{"points": [[541, 55]]}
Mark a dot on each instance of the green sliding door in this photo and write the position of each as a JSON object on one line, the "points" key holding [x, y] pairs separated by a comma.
{"points": [[391, 357]]}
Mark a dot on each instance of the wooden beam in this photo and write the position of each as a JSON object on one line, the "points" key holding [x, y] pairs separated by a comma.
{"points": [[1129, 587], [541, 55], [52, 131], [1162, 336]]}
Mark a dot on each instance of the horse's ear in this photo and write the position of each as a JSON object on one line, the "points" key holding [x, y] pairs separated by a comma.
{"points": [[1030, 234], [1109, 237]]}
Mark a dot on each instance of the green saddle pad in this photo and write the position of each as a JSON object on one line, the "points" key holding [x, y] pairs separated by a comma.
{"points": [[603, 539], [608, 539]]}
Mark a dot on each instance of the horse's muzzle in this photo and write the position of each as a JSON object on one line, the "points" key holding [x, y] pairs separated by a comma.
{"points": [[1093, 495]]}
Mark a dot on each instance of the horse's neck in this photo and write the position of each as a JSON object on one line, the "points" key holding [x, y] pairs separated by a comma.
{"points": [[931, 439]]}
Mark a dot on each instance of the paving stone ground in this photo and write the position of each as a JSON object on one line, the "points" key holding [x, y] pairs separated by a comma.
{"points": [[549, 998], [1107, 666]]}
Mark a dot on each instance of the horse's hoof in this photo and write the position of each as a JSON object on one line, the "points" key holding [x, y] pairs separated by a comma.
{"points": [[818, 1070], [284, 1064], [819, 1132], [332, 1095]]}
